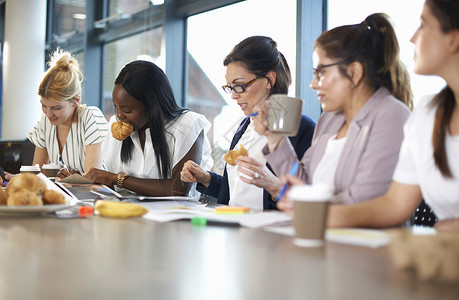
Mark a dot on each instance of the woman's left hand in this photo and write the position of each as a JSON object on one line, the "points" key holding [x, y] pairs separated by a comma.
{"points": [[102, 177], [261, 124], [64, 173], [448, 225], [261, 176]]}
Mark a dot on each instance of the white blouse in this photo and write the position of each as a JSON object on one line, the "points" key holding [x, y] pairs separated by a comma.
{"points": [[416, 164], [180, 136], [241, 193], [90, 128], [326, 169]]}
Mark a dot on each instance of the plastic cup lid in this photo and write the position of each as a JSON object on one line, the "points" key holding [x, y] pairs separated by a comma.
{"points": [[317, 192], [30, 168], [50, 166]]}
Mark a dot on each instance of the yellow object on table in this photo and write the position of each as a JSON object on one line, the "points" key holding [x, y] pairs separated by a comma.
{"points": [[119, 209], [231, 210]]}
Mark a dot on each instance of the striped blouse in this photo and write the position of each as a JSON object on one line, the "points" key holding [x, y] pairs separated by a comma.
{"points": [[91, 128]]}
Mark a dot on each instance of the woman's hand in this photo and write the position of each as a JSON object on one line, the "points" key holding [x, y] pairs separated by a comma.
{"points": [[192, 172], [261, 124], [64, 173], [102, 177], [259, 173], [448, 225], [286, 204], [8, 176]]}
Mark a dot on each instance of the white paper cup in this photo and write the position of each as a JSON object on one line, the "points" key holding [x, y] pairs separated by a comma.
{"points": [[284, 115], [50, 170], [310, 205], [30, 169]]}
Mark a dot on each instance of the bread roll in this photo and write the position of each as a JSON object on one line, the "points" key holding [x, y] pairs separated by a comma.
{"points": [[231, 156], [121, 130]]}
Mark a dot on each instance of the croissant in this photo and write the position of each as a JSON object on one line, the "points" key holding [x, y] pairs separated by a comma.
{"points": [[121, 130], [231, 156], [27, 181]]}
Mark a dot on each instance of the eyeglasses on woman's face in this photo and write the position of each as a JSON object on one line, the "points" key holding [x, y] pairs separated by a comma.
{"points": [[318, 71], [239, 88]]}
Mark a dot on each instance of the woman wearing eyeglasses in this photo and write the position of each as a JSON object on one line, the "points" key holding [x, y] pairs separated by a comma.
{"points": [[365, 93], [255, 69], [428, 165]]}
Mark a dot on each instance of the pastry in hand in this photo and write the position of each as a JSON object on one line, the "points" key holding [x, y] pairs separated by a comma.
{"points": [[231, 156], [121, 130]]}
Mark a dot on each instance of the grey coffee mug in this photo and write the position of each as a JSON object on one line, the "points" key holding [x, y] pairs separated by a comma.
{"points": [[284, 115]]}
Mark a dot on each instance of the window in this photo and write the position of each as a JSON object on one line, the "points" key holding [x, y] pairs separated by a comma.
{"points": [[211, 36], [405, 16], [126, 6], [146, 45], [68, 28]]}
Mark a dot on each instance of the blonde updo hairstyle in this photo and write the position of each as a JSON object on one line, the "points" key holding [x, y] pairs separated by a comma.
{"points": [[62, 82]]}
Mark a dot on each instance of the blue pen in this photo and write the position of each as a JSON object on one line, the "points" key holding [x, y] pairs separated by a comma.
{"points": [[63, 165], [284, 188], [253, 114]]}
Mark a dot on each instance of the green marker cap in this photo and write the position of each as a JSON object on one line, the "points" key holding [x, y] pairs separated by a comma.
{"points": [[199, 221]]}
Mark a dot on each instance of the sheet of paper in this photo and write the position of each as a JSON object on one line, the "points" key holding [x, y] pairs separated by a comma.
{"points": [[158, 198], [75, 178], [165, 211], [354, 236], [52, 186], [85, 191]]}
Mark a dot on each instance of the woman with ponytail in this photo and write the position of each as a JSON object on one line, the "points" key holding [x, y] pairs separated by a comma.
{"points": [[365, 94], [428, 166]]}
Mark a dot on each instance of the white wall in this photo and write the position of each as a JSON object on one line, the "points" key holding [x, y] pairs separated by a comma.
{"points": [[23, 66]]}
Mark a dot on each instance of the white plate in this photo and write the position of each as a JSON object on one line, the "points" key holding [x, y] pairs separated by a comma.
{"points": [[27, 210]]}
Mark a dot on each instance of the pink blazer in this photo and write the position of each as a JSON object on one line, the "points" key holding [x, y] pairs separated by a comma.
{"points": [[369, 154]]}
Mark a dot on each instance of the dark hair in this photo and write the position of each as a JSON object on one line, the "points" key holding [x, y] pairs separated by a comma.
{"points": [[148, 84], [374, 44], [447, 14], [259, 55]]}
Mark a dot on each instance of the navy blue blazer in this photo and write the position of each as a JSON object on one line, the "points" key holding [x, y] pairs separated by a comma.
{"points": [[219, 187]]}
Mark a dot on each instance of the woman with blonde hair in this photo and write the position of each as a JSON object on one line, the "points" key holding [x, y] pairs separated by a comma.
{"points": [[67, 129]]}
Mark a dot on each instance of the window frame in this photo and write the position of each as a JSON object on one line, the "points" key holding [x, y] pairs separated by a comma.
{"points": [[101, 29]]}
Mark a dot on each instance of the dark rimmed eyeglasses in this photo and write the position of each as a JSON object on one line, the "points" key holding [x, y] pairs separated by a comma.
{"points": [[318, 70], [239, 88]]}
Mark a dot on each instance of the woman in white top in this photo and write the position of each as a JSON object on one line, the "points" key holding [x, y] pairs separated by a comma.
{"points": [[428, 165], [255, 69], [164, 135], [67, 128]]}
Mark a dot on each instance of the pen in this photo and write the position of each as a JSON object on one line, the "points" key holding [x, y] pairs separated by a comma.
{"points": [[284, 188], [201, 221], [63, 165], [2, 174], [253, 114]]}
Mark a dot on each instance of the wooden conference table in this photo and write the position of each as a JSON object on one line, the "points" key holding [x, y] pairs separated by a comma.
{"points": [[104, 258]]}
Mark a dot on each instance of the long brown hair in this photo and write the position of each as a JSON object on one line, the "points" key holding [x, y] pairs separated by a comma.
{"points": [[447, 14], [374, 44]]}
